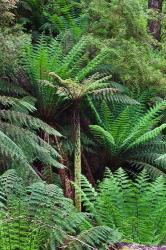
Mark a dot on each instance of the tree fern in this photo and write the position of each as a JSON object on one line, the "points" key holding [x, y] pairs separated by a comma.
{"points": [[133, 140], [59, 80]]}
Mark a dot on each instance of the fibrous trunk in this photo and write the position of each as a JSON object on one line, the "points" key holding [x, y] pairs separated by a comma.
{"points": [[66, 182], [64, 173], [88, 170], [155, 24], [77, 157]]}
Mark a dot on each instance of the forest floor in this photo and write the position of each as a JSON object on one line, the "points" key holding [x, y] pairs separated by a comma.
{"points": [[136, 247]]}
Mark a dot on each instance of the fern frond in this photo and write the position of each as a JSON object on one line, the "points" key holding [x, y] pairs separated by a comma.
{"points": [[150, 168], [100, 236], [127, 205], [103, 93], [10, 88], [73, 56], [10, 182], [103, 136], [146, 121], [130, 136], [8, 147], [28, 121], [92, 65], [150, 135]]}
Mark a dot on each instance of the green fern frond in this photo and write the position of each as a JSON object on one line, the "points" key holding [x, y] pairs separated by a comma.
{"points": [[92, 65], [127, 206], [101, 237], [10, 88], [10, 182], [103, 136], [150, 116], [40, 216], [28, 121], [150, 135], [130, 136], [73, 56]]}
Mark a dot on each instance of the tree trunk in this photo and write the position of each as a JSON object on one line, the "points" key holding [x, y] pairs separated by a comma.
{"points": [[65, 175], [155, 25], [65, 181], [88, 170], [77, 156]]}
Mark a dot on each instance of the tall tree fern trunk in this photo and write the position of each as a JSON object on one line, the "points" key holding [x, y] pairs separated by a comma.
{"points": [[155, 24], [77, 156]]}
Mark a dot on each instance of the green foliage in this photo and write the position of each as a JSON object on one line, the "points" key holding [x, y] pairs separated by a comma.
{"points": [[52, 17], [12, 41], [21, 134], [68, 82], [133, 138], [40, 217], [60, 79], [137, 65], [6, 16], [123, 26], [118, 18], [136, 208], [70, 70]]}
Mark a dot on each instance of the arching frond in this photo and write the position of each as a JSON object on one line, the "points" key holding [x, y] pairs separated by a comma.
{"points": [[39, 215], [10, 88], [131, 137], [27, 120], [127, 205], [102, 136]]}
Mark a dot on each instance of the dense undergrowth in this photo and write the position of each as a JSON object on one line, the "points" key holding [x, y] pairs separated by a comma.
{"points": [[82, 124]]}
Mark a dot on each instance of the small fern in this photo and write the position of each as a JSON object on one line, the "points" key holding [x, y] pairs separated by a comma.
{"points": [[136, 208], [40, 217]]}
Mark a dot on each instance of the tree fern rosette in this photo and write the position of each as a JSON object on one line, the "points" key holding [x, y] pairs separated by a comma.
{"points": [[133, 138]]}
